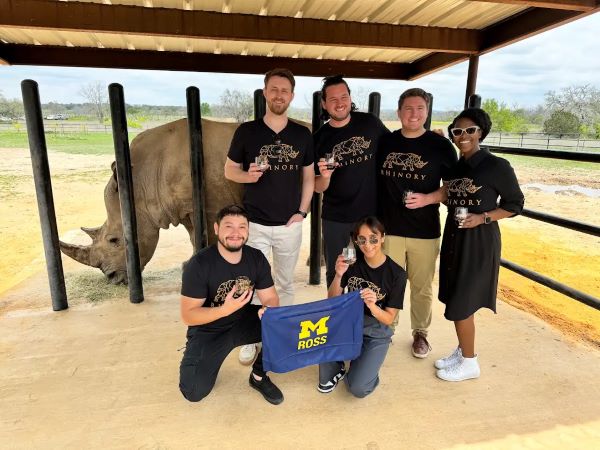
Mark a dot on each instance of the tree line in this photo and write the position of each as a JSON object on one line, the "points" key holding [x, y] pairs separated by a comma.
{"points": [[572, 110]]}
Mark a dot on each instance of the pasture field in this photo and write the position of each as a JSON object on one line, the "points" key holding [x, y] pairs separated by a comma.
{"points": [[80, 166]]}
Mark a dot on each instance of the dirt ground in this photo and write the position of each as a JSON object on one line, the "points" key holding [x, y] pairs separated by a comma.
{"points": [[104, 372]]}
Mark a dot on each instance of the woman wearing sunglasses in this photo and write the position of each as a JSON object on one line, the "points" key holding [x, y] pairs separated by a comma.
{"points": [[381, 283], [470, 256]]}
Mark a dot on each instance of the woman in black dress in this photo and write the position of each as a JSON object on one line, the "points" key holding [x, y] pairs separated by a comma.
{"points": [[470, 256]]}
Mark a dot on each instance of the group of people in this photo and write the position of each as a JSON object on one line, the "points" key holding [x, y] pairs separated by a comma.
{"points": [[381, 191]]}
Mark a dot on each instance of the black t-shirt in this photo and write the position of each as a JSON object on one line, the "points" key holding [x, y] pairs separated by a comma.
{"points": [[477, 182], [388, 281], [207, 275], [416, 164], [276, 196], [351, 194]]}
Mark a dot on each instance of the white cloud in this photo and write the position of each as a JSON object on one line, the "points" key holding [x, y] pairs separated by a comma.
{"points": [[517, 74]]}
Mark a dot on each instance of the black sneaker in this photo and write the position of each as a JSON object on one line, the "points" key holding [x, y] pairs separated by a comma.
{"points": [[331, 384], [269, 391]]}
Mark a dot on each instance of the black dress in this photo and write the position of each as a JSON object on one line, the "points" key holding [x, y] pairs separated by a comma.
{"points": [[470, 257]]}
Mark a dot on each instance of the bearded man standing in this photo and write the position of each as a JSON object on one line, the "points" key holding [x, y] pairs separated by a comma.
{"points": [[349, 187], [276, 197]]}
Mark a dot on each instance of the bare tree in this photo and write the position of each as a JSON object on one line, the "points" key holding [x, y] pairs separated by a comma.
{"points": [[581, 101], [360, 96], [95, 94], [238, 105]]}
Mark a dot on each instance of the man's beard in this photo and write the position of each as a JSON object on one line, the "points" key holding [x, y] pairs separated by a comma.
{"points": [[340, 118], [231, 248], [277, 109]]}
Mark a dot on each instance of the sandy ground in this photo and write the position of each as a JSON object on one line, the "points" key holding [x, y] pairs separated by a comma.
{"points": [[104, 372]]}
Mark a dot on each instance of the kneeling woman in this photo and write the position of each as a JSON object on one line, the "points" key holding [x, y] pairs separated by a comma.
{"points": [[470, 254], [381, 283]]}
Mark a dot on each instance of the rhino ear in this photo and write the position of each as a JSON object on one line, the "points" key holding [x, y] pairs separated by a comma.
{"points": [[114, 180], [92, 232]]}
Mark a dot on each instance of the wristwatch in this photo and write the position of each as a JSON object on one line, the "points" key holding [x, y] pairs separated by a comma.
{"points": [[486, 218], [302, 213]]}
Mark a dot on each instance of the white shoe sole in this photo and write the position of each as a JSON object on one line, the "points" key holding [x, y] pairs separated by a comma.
{"points": [[442, 376]]}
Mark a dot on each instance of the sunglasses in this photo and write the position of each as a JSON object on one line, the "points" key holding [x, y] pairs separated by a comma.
{"points": [[363, 241], [456, 132]]}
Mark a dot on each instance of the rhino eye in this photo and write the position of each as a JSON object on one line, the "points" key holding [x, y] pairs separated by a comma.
{"points": [[114, 241]]}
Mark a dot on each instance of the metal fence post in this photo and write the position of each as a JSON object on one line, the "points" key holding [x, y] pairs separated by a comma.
{"points": [[315, 207]]}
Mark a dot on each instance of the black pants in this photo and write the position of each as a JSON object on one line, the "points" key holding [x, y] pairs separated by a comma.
{"points": [[206, 351], [336, 236]]}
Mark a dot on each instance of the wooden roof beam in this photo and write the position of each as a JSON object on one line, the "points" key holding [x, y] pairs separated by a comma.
{"points": [[569, 5], [18, 54], [125, 19]]}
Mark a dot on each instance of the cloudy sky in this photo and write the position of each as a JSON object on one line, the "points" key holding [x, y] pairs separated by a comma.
{"points": [[519, 74]]}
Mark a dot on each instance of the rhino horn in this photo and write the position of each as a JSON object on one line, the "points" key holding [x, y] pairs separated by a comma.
{"points": [[80, 253], [92, 232]]}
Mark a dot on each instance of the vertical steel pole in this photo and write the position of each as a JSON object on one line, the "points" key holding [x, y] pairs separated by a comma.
{"points": [[43, 191], [375, 103], [430, 112], [197, 166], [474, 101], [126, 196], [471, 79], [260, 104], [315, 207]]}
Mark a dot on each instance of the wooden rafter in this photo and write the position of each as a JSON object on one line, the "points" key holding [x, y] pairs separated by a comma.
{"points": [[569, 5], [94, 17], [18, 54]]}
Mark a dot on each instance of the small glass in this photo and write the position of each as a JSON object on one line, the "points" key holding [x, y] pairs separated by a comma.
{"points": [[407, 194], [349, 254], [330, 160], [460, 214], [262, 161]]}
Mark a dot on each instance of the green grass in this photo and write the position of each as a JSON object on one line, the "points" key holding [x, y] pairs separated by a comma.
{"points": [[75, 143], [550, 164]]}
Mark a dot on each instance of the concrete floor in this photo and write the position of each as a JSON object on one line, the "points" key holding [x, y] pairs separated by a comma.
{"points": [[106, 376]]}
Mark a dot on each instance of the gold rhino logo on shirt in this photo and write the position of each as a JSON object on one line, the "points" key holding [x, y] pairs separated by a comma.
{"points": [[407, 161], [241, 284], [357, 283], [355, 146], [281, 152], [462, 187]]}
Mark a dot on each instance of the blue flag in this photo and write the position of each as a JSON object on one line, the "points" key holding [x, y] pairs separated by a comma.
{"points": [[312, 333]]}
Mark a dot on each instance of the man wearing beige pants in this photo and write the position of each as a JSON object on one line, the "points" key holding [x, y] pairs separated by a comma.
{"points": [[411, 163]]}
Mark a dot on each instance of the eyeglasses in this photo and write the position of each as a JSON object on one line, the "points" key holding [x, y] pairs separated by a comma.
{"points": [[456, 132], [360, 240]]}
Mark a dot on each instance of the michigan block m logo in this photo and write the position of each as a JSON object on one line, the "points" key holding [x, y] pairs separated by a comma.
{"points": [[307, 328]]}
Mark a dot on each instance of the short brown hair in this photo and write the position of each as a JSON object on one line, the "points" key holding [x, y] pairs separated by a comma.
{"points": [[283, 73], [413, 92], [372, 223]]}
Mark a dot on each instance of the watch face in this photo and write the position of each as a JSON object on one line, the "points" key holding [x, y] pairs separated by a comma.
{"points": [[487, 219]]}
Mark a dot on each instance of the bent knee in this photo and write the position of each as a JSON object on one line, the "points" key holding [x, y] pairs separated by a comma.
{"points": [[196, 394]]}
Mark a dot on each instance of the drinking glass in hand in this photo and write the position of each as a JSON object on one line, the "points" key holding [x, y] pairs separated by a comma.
{"points": [[406, 195], [262, 161], [330, 160], [349, 254], [460, 214]]}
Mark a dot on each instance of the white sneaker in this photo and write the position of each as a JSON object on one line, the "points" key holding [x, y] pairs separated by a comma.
{"points": [[448, 361], [466, 369], [247, 354]]}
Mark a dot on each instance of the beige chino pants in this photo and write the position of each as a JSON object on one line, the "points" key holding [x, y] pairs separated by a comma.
{"points": [[417, 257]]}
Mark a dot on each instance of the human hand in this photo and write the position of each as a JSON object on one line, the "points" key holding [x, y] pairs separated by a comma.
{"points": [[368, 296], [340, 265], [416, 200], [472, 221], [231, 304], [254, 173], [323, 170], [295, 218], [261, 311]]}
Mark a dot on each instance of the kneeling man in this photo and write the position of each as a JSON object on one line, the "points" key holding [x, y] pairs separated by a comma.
{"points": [[217, 286]]}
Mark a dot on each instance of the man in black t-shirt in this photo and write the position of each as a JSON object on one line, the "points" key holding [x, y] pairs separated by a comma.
{"points": [[349, 188], [411, 164], [277, 197], [217, 286]]}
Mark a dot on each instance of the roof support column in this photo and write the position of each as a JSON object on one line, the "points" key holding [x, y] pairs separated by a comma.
{"points": [[471, 78]]}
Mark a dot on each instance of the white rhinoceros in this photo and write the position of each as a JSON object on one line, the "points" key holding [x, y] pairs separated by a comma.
{"points": [[162, 184]]}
